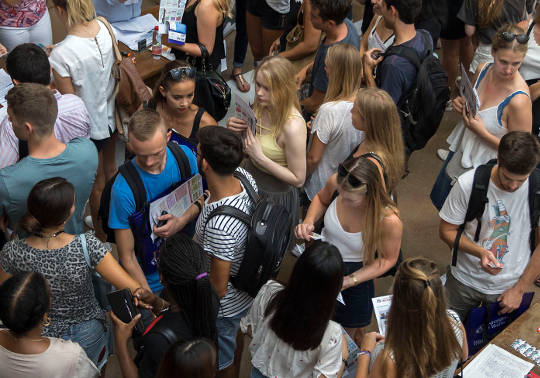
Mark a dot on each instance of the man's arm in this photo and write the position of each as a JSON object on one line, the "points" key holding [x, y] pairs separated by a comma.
{"points": [[219, 275], [448, 233], [511, 298], [126, 255]]}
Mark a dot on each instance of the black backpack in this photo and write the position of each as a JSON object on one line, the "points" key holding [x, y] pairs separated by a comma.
{"points": [[267, 239], [478, 200], [136, 185], [422, 108]]}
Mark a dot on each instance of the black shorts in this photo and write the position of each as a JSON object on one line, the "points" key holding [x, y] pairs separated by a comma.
{"points": [[270, 19], [455, 28]]}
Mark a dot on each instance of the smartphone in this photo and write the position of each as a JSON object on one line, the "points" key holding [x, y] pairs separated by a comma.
{"points": [[375, 55], [162, 222], [124, 308]]}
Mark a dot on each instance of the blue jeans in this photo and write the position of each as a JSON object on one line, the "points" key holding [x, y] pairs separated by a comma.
{"points": [[256, 373], [227, 328], [442, 186], [94, 337]]}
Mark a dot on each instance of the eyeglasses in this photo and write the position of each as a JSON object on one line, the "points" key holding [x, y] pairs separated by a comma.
{"points": [[509, 37], [178, 73], [342, 172]]}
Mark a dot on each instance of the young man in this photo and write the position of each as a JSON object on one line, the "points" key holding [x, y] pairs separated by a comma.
{"points": [[158, 170], [499, 267], [220, 152], [32, 110], [396, 74], [328, 16], [28, 63]]}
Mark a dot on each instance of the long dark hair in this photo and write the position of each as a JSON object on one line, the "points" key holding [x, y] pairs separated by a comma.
{"points": [[24, 299], [166, 79], [301, 311], [48, 205], [183, 268], [195, 358]]}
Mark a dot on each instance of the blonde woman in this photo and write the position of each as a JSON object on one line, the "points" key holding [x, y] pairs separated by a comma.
{"points": [[82, 65], [419, 318], [277, 153], [362, 219], [333, 136]]}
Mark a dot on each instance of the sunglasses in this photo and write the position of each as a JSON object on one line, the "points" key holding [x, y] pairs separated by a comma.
{"points": [[182, 72], [342, 172], [509, 37]]}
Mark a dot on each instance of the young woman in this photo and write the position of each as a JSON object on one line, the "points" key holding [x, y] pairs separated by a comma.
{"points": [[377, 35], [418, 317], [25, 302], [290, 339], [173, 99], [362, 219], [24, 22], [483, 18], [195, 358], [277, 153], [375, 113], [75, 313], [504, 106], [82, 65], [190, 309], [333, 136]]}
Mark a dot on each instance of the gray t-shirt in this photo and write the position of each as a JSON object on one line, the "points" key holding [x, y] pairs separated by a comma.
{"points": [[70, 278], [513, 11], [319, 80], [77, 164]]}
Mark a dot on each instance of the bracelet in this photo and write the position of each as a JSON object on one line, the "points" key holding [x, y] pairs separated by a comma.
{"points": [[197, 203], [135, 291], [363, 353], [354, 280]]}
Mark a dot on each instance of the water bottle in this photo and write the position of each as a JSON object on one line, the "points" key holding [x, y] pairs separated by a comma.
{"points": [[156, 43]]}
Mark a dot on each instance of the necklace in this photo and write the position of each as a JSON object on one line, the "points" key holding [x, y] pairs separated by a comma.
{"points": [[48, 236]]}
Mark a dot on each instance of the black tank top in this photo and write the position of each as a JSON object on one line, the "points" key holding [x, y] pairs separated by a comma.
{"points": [[192, 36]]}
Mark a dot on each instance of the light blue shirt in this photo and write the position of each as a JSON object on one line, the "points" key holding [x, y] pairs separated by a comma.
{"points": [[115, 11]]}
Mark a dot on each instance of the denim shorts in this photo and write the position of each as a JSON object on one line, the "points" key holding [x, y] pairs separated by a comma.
{"points": [[356, 313], [442, 186], [227, 328], [94, 337]]}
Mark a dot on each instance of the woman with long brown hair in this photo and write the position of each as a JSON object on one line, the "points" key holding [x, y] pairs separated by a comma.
{"points": [[360, 220], [424, 339]]}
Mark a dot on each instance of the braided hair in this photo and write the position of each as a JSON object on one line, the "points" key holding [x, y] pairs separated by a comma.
{"points": [[24, 299], [183, 266]]}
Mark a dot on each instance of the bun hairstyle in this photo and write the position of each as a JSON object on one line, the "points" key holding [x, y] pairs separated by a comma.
{"points": [[24, 300], [183, 269], [195, 358], [420, 335], [48, 205]]}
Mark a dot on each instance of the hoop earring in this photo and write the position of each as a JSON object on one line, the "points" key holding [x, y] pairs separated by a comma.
{"points": [[47, 322]]}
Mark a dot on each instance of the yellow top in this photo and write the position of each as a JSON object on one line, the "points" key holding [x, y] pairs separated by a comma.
{"points": [[270, 147]]}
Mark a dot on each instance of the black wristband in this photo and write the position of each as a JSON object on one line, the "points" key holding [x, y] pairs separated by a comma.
{"points": [[197, 203]]}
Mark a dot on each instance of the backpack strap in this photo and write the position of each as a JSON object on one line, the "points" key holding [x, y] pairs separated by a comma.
{"points": [[373, 155], [230, 211], [405, 52], [534, 205], [253, 196], [477, 203], [85, 250], [531, 26], [116, 50], [130, 174], [181, 160], [196, 123]]}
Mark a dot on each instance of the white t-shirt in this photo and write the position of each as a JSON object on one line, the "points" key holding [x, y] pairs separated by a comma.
{"points": [[280, 6], [88, 62], [333, 126], [531, 63], [505, 232], [225, 237], [275, 358], [62, 359]]}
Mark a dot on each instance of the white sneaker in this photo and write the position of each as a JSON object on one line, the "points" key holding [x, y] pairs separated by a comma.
{"points": [[442, 154], [298, 249], [88, 222]]}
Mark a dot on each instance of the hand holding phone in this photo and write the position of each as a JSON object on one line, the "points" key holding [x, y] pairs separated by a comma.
{"points": [[124, 308]]}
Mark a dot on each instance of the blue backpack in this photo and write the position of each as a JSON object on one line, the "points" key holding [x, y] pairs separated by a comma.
{"points": [[139, 222]]}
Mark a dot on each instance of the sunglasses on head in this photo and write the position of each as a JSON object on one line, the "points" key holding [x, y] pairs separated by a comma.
{"points": [[178, 73], [509, 37], [342, 172]]}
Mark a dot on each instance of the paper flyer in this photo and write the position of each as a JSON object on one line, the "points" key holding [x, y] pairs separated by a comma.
{"points": [[245, 113], [467, 91], [176, 202], [171, 11], [381, 307], [495, 362]]}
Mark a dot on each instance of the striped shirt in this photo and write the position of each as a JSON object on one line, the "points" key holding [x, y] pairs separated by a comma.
{"points": [[73, 121], [225, 238]]}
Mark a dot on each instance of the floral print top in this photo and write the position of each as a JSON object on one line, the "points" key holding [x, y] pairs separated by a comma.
{"points": [[25, 14]]}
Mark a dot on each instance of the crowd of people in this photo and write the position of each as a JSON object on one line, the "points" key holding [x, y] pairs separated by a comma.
{"points": [[330, 147]]}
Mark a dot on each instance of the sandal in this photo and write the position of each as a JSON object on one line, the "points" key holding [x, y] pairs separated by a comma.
{"points": [[537, 281], [241, 83]]}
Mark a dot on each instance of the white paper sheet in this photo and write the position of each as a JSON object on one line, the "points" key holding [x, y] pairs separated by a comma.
{"points": [[495, 362], [131, 39], [467, 91], [176, 202], [141, 24], [245, 113], [381, 308]]}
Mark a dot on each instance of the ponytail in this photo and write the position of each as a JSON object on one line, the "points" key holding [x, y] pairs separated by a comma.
{"points": [[29, 224]]}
